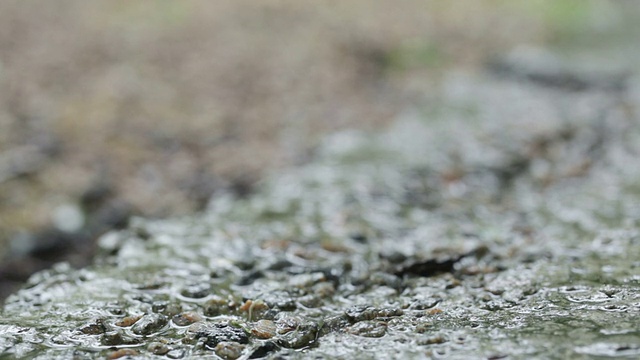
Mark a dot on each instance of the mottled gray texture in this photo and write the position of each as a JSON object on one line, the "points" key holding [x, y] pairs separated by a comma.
{"points": [[501, 220]]}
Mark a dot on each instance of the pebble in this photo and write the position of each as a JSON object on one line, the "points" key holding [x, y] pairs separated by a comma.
{"points": [[361, 313], [264, 329], [264, 350], [186, 318], [310, 301], [229, 350], [95, 327], [175, 354], [116, 338], [287, 322], [324, 289], [423, 327], [149, 324], [389, 312], [434, 312], [218, 306], [280, 299], [218, 333], [424, 304], [165, 308], [304, 336], [128, 321], [438, 339], [496, 305], [304, 281], [122, 353], [373, 329], [334, 323], [158, 348], [255, 309], [196, 291]]}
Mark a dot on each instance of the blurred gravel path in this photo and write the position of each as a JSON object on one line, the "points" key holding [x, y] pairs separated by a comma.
{"points": [[502, 224]]}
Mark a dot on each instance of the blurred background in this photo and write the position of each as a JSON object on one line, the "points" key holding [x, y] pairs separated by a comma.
{"points": [[116, 108]]}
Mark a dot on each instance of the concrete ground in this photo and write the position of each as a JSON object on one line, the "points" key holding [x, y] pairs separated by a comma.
{"points": [[116, 108]]}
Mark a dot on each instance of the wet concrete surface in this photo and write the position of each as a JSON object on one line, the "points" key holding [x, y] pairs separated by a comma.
{"points": [[500, 220]]}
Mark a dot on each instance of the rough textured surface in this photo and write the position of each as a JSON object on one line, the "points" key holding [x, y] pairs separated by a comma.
{"points": [[445, 236], [105, 104]]}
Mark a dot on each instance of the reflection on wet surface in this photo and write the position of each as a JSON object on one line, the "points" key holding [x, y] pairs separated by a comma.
{"points": [[445, 236]]}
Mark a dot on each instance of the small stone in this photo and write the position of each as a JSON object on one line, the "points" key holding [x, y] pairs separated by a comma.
{"points": [[264, 350], [335, 247], [218, 306], [175, 354], [95, 327], [152, 285], [194, 332], [264, 329], [334, 323], [423, 327], [280, 299], [361, 313], [186, 319], [609, 291], [166, 308], [246, 263], [116, 338], [496, 305], [149, 324], [122, 353], [229, 350], [394, 257], [196, 291], [172, 309], [115, 309], [454, 283], [496, 291], [287, 322], [158, 348], [222, 332], [128, 321], [255, 309], [438, 339], [369, 328], [303, 281], [530, 290], [304, 336], [324, 289], [310, 301], [389, 312], [424, 304], [434, 312], [279, 264]]}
